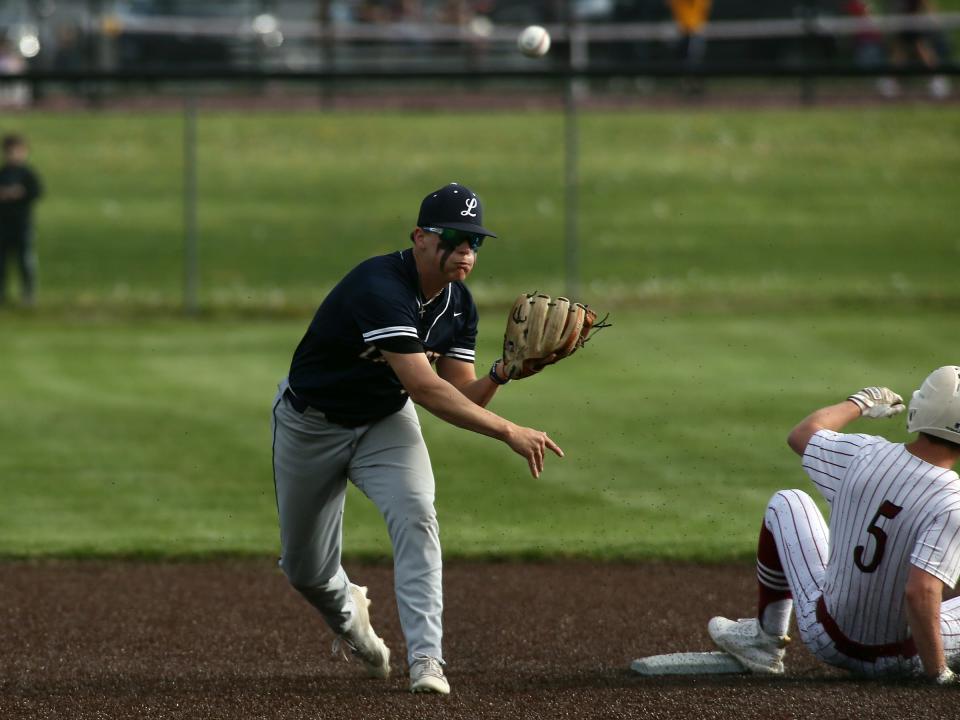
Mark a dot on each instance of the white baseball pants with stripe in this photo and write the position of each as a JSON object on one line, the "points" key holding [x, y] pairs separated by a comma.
{"points": [[388, 461], [802, 539]]}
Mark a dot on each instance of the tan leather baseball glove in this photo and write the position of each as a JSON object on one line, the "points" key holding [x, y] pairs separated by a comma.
{"points": [[542, 330]]}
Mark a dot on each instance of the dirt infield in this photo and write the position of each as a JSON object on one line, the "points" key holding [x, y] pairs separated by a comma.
{"points": [[549, 640]]}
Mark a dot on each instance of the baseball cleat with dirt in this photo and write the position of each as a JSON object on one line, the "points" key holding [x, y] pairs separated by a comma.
{"points": [[426, 676], [758, 651], [362, 641]]}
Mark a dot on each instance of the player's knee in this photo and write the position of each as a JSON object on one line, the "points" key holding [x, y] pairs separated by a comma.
{"points": [[786, 502], [309, 587], [307, 571], [417, 515], [317, 585], [786, 498]]}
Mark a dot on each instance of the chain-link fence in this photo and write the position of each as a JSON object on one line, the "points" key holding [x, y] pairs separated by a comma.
{"points": [[252, 177]]}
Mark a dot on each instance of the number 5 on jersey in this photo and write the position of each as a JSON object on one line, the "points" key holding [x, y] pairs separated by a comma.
{"points": [[887, 510]]}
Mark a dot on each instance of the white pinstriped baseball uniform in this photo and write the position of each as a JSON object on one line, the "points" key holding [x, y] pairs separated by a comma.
{"points": [[889, 510]]}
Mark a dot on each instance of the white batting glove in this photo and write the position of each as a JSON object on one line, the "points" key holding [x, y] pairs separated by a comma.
{"points": [[877, 402]]}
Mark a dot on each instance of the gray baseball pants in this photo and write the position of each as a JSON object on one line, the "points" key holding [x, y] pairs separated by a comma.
{"points": [[388, 461]]}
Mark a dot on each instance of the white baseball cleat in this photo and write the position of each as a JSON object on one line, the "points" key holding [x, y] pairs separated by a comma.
{"points": [[750, 644], [426, 676], [362, 640]]}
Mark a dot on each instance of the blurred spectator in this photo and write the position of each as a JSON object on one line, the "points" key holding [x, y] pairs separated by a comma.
{"points": [[690, 17], [931, 48], [869, 51], [472, 17], [386, 11], [12, 94], [453, 12], [19, 188], [68, 50]]}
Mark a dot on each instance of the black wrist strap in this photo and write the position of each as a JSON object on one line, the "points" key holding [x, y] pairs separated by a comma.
{"points": [[494, 376]]}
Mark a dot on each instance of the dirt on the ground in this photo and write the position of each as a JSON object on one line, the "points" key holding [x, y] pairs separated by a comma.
{"points": [[230, 639]]}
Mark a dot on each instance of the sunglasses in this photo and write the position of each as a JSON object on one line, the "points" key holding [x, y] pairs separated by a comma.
{"points": [[452, 239]]}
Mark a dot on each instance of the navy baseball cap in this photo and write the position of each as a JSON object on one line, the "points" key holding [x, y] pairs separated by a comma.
{"points": [[453, 206]]}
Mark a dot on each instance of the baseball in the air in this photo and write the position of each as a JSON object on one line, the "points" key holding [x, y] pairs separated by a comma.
{"points": [[534, 41]]}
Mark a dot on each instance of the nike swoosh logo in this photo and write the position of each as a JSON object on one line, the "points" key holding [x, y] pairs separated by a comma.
{"points": [[457, 314]]}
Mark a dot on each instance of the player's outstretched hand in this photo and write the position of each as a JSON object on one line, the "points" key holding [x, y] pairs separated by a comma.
{"points": [[877, 402], [532, 444]]}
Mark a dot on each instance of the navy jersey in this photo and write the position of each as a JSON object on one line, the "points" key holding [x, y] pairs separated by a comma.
{"points": [[337, 367], [17, 212]]}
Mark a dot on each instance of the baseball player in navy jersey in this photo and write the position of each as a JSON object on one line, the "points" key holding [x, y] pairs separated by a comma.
{"points": [[346, 412], [868, 589]]}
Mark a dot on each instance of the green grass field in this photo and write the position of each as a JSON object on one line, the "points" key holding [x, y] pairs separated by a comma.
{"points": [[758, 264], [740, 205], [153, 437]]}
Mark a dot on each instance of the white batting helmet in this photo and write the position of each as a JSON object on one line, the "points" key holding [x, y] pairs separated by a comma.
{"points": [[935, 407]]}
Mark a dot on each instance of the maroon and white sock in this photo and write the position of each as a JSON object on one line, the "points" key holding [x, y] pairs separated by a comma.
{"points": [[774, 600]]}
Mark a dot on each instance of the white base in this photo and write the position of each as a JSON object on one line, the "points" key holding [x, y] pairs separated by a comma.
{"points": [[690, 663]]}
